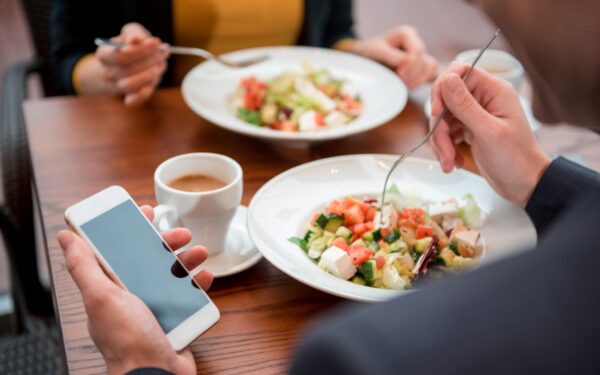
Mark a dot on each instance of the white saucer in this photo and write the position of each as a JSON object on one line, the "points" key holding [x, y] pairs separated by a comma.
{"points": [[535, 125], [239, 254]]}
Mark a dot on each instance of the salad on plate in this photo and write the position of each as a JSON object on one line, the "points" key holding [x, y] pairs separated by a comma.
{"points": [[298, 102], [392, 246]]}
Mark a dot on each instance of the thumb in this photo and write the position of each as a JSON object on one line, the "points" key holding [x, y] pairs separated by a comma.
{"points": [[82, 263], [134, 33], [462, 104]]}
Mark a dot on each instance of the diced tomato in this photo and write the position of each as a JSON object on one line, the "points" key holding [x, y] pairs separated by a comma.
{"points": [[335, 207], [411, 217], [359, 230], [353, 216], [370, 225], [370, 214], [351, 201], [385, 232], [287, 126], [341, 243], [379, 261], [359, 254], [424, 231], [319, 120]]}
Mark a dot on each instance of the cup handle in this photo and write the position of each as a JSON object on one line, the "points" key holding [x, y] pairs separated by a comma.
{"points": [[165, 217]]}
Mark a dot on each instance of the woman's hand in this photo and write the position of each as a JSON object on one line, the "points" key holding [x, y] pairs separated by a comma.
{"points": [[402, 50], [487, 114], [121, 325], [133, 71]]}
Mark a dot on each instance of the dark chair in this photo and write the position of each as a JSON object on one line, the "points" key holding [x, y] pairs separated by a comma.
{"points": [[36, 346]]}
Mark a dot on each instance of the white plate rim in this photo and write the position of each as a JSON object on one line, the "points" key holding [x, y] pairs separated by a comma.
{"points": [[373, 294], [274, 135]]}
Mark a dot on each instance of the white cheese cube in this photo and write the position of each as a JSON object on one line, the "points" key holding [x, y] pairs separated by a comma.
{"points": [[314, 253], [449, 208], [386, 217], [337, 262], [451, 222], [391, 278], [307, 121], [467, 238], [349, 90], [336, 119], [309, 90]]}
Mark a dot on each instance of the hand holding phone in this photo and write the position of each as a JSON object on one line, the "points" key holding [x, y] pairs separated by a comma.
{"points": [[121, 323]]}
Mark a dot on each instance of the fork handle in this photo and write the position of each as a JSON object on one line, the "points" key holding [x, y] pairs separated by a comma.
{"points": [[172, 49]]}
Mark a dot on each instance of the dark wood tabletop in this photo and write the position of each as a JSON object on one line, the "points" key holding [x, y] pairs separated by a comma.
{"points": [[80, 145]]}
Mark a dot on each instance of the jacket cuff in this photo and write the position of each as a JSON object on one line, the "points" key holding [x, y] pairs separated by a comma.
{"points": [[561, 184]]}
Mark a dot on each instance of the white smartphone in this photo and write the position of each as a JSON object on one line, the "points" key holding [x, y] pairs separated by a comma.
{"points": [[133, 254]]}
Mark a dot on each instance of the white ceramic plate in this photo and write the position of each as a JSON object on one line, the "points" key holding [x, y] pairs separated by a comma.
{"points": [[283, 207], [535, 125], [208, 87]]}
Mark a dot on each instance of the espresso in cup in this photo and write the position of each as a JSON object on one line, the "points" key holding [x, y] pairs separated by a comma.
{"points": [[201, 192], [196, 183]]}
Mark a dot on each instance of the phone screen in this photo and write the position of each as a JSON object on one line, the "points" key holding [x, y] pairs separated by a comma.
{"points": [[139, 257]]}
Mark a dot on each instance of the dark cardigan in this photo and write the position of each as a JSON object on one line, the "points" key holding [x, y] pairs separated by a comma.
{"points": [[76, 23]]}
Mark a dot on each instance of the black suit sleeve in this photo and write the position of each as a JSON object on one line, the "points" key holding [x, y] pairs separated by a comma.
{"points": [[536, 313], [562, 183]]}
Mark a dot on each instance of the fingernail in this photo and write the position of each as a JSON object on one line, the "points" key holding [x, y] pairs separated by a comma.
{"points": [[454, 83], [65, 238]]}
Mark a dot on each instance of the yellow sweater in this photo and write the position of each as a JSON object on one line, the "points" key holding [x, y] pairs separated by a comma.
{"points": [[222, 26]]}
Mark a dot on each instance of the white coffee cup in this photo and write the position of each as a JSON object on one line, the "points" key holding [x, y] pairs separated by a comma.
{"points": [[499, 63], [206, 214]]}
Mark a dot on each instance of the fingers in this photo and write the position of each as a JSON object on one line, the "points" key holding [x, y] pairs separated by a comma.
{"points": [[138, 98], [82, 264], [204, 279], [177, 238], [191, 259], [148, 212], [129, 54], [133, 31], [406, 38], [462, 104], [146, 78]]}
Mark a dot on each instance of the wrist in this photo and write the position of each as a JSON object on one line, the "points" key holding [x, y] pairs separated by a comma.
{"points": [[539, 167]]}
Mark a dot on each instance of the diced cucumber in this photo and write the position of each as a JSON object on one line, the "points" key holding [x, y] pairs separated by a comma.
{"points": [[422, 244], [368, 270], [384, 246], [283, 84], [368, 236], [323, 220], [334, 223], [393, 237], [462, 264], [320, 243], [377, 235], [398, 246], [373, 246], [447, 256], [314, 253], [358, 280], [454, 247], [342, 231], [358, 242]]}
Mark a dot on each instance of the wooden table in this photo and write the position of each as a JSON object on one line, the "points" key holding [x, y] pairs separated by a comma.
{"points": [[81, 145]]}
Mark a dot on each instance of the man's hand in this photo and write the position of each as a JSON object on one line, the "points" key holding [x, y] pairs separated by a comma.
{"points": [[136, 69], [402, 50], [487, 114], [121, 325]]}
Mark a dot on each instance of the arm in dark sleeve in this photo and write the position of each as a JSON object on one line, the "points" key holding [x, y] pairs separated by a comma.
{"points": [[562, 183], [149, 371], [340, 24], [73, 26]]}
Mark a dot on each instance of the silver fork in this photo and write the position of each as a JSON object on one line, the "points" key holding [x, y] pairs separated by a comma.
{"points": [[193, 52], [437, 121]]}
